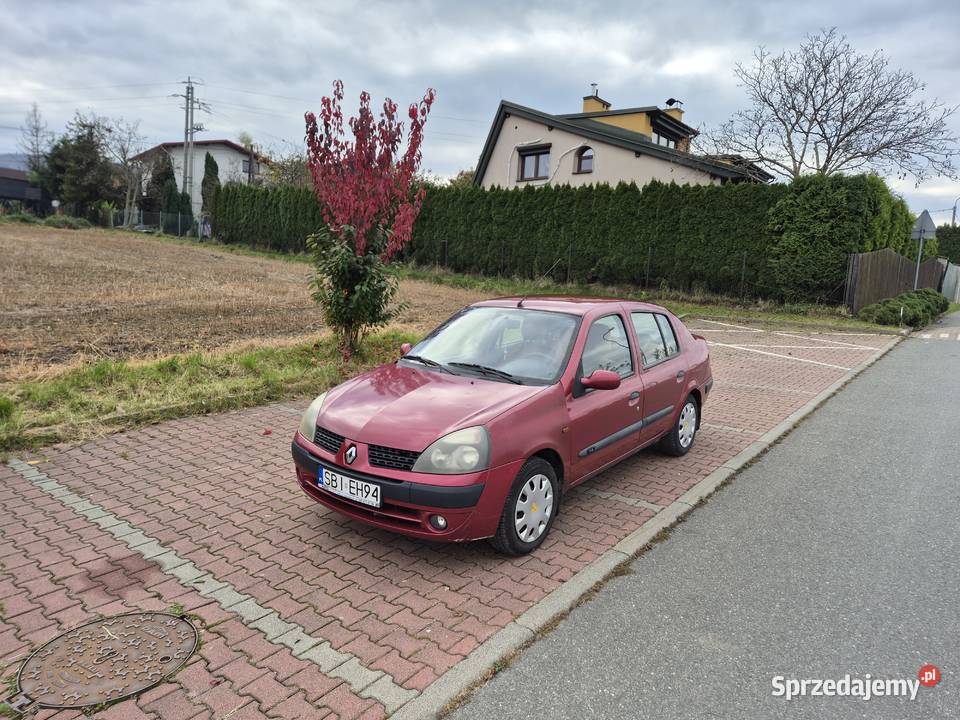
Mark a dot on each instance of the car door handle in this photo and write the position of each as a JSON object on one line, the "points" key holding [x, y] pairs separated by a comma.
{"points": [[680, 375]]}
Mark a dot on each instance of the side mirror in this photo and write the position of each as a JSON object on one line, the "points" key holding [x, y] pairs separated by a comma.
{"points": [[405, 348], [601, 380]]}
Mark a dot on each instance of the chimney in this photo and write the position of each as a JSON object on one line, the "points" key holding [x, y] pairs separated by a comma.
{"points": [[593, 102], [675, 109]]}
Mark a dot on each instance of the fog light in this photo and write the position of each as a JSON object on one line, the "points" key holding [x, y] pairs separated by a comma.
{"points": [[439, 522]]}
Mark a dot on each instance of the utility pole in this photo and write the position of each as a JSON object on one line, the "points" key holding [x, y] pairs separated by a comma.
{"points": [[190, 128]]}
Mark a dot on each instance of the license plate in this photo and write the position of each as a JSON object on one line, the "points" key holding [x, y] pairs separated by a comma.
{"points": [[349, 487]]}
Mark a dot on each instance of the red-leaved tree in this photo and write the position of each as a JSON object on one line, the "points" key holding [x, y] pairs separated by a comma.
{"points": [[364, 182]]}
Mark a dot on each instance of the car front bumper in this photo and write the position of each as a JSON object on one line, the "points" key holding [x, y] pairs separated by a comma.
{"points": [[471, 504]]}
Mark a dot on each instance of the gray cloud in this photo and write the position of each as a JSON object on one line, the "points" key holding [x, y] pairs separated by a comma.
{"points": [[265, 63]]}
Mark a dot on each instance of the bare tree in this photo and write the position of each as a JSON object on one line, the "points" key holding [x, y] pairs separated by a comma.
{"points": [[34, 138], [123, 143], [288, 166], [826, 108]]}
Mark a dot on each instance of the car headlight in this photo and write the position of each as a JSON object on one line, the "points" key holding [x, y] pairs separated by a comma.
{"points": [[462, 451], [308, 423]]}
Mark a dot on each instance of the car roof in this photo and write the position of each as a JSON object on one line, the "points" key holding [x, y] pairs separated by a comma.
{"points": [[568, 304]]}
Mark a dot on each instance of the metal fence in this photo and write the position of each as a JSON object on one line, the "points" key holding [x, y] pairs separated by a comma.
{"points": [[874, 276], [951, 283], [168, 223]]}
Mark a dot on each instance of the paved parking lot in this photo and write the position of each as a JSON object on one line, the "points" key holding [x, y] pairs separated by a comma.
{"points": [[304, 613]]}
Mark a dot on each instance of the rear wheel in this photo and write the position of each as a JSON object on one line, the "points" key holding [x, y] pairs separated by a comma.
{"points": [[680, 439], [529, 510]]}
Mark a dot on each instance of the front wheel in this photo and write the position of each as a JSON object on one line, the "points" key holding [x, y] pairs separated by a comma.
{"points": [[529, 510], [680, 439]]}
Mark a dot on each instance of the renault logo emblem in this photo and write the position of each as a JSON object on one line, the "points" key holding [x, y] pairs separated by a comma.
{"points": [[351, 454]]}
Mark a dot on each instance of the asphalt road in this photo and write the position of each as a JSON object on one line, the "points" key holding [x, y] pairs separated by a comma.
{"points": [[837, 553]]}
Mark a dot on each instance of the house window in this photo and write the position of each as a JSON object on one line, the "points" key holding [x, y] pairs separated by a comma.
{"points": [[534, 163], [659, 139], [584, 160], [246, 167]]}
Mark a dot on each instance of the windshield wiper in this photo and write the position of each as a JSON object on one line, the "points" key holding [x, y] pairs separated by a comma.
{"points": [[485, 370], [426, 361]]}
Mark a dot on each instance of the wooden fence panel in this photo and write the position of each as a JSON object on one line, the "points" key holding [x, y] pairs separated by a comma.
{"points": [[884, 273]]}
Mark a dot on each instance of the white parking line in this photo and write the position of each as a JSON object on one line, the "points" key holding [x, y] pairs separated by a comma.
{"points": [[740, 327], [778, 355], [816, 339], [925, 336], [944, 335], [807, 347]]}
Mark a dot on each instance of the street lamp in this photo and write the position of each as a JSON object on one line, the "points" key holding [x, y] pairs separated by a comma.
{"points": [[953, 222]]}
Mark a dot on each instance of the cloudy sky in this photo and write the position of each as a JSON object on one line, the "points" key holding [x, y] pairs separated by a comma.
{"points": [[263, 63]]}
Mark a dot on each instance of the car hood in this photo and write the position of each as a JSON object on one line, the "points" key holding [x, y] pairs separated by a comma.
{"points": [[409, 408]]}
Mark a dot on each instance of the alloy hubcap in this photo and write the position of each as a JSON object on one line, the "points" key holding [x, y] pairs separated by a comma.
{"points": [[688, 423], [534, 507]]}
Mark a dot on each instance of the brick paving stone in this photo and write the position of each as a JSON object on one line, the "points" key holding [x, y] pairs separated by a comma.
{"points": [[403, 607]]}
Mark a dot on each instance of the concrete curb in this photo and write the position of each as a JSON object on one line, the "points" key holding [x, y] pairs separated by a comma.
{"points": [[476, 668]]}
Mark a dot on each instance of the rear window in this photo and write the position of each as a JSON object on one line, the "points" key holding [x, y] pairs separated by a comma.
{"points": [[669, 339], [654, 336]]}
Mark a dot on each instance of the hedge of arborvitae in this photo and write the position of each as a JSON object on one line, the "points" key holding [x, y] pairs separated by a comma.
{"points": [[948, 239], [787, 241], [273, 218]]}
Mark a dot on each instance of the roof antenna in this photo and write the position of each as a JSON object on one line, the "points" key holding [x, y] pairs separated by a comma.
{"points": [[520, 301]]}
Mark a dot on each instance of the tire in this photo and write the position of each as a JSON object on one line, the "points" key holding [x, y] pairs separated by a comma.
{"points": [[536, 485], [681, 438]]}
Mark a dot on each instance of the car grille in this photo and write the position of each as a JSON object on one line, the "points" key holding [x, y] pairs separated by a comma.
{"points": [[392, 458], [328, 440]]}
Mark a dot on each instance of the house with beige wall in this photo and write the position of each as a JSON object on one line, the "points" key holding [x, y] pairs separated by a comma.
{"points": [[600, 145]]}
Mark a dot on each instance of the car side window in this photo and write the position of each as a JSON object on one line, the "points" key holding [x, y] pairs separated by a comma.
{"points": [[649, 338], [607, 347], [669, 338]]}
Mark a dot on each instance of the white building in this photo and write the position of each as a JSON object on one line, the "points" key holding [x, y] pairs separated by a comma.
{"points": [[235, 163], [600, 145]]}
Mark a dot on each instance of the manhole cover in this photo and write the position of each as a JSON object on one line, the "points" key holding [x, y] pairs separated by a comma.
{"points": [[107, 659]]}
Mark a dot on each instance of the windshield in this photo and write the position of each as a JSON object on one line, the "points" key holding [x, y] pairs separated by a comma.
{"points": [[505, 344]]}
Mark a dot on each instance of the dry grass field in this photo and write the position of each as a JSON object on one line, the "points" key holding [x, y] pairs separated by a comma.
{"points": [[68, 297]]}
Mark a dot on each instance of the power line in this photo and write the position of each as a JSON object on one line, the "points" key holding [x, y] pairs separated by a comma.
{"points": [[255, 92], [97, 100], [106, 87]]}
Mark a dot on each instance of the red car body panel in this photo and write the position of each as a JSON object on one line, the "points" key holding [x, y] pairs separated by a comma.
{"points": [[408, 408]]}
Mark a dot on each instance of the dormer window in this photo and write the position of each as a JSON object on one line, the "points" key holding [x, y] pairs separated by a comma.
{"points": [[659, 139], [584, 160]]}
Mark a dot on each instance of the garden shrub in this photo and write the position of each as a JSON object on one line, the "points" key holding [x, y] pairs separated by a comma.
{"points": [[21, 217], [919, 307], [66, 222]]}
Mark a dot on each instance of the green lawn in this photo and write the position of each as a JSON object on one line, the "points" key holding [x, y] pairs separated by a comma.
{"points": [[680, 303], [110, 396]]}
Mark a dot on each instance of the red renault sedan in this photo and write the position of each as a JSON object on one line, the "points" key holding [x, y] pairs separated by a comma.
{"points": [[480, 429]]}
